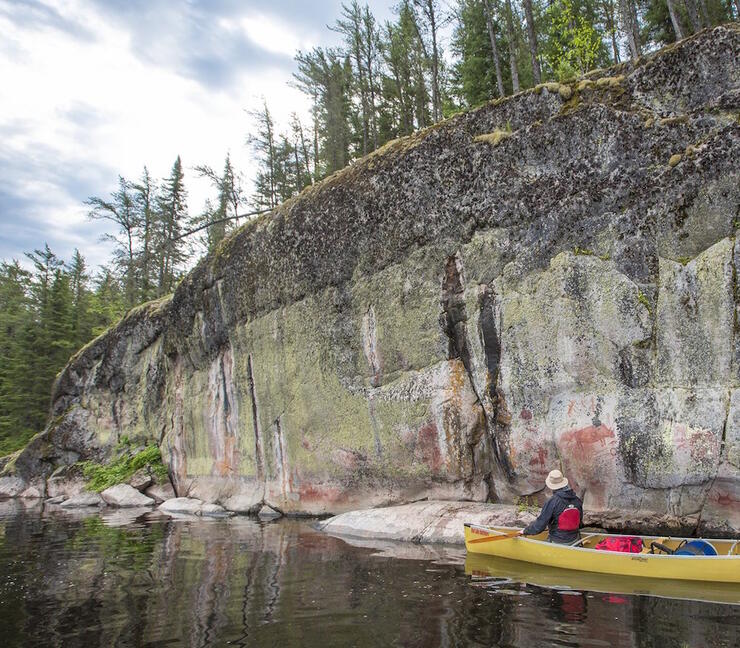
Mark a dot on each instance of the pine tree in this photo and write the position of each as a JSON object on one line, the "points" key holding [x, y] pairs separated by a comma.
{"points": [[145, 199], [121, 210], [263, 144], [172, 214]]}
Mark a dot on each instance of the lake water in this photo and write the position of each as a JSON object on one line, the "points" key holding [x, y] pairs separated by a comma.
{"points": [[137, 579]]}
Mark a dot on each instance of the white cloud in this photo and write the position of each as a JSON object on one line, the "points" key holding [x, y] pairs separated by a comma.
{"points": [[82, 101]]}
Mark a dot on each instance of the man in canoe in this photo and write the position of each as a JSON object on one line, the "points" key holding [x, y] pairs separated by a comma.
{"points": [[562, 514]]}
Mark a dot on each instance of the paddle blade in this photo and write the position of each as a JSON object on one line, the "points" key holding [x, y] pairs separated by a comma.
{"points": [[493, 538]]}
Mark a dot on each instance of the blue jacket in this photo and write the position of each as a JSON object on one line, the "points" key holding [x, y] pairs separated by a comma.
{"points": [[560, 500]]}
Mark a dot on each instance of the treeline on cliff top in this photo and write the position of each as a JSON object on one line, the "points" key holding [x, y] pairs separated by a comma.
{"points": [[385, 81]]}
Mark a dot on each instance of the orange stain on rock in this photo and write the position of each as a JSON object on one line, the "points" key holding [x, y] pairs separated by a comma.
{"points": [[587, 441], [427, 447]]}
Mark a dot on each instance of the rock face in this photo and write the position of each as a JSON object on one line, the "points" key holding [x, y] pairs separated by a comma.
{"points": [[526, 286]]}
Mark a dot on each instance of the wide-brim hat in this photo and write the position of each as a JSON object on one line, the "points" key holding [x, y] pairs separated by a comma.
{"points": [[556, 480]]}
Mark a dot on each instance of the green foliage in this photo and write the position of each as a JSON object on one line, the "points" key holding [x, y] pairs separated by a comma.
{"points": [[102, 476], [573, 45], [46, 314]]}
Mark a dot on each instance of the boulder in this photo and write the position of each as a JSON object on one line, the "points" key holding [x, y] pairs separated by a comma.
{"points": [[424, 522], [83, 500], [66, 481], [125, 496], [32, 492], [160, 492], [141, 480], [12, 486], [182, 506]]}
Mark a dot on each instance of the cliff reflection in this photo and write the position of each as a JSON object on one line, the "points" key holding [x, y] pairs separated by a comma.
{"points": [[143, 580]]}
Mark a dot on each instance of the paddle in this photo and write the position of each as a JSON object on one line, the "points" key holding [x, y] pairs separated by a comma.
{"points": [[491, 538]]}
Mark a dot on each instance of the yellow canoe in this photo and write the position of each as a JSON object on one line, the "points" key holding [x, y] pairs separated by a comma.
{"points": [[581, 556]]}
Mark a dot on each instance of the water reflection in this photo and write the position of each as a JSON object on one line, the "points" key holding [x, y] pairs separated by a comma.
{"points": [[138, 579]]}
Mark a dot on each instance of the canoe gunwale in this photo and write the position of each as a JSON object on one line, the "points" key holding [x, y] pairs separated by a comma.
{"points": [[554, 545]]}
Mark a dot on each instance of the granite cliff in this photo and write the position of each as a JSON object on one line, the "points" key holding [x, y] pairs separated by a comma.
{"points": [[549, 280]]}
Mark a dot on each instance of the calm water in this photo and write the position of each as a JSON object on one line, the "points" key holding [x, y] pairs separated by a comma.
{"points": [[122, 580]]}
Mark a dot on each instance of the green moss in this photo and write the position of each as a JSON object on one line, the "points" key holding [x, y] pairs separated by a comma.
{"points": [[102, 476], [642, 298], [494, 138], [672, 121]]}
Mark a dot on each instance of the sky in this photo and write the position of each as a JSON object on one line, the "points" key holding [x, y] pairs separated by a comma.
{"points": [[94, 89]]}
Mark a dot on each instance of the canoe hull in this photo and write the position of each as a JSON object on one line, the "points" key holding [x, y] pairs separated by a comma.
{"points": [[723, 568]]}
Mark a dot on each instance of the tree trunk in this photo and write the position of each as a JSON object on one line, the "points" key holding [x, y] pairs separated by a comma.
{"points": [[436, 94], [675, 21], [611, 26], [371, 45], [532, 37], [693, 15], [512, 47], [494, 47], [629, 23], [704, 13]]}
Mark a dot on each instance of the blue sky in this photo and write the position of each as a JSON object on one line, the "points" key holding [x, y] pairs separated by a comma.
{"points": [[90, 89]]}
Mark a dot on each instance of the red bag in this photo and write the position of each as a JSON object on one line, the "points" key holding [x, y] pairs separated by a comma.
{"points": [[625, 544]]}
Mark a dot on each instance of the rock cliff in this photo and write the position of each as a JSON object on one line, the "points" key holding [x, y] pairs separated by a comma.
{"points": [[547, 281]]}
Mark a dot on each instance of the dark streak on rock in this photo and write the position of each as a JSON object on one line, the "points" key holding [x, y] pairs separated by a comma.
{"points": [[258, 448]]}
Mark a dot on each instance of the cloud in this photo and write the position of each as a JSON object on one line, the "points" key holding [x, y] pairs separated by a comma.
{"points": [[33, 14], [96, 88]]}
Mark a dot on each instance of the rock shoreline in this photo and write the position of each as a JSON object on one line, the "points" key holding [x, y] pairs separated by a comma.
{"points": [[424, 522]]}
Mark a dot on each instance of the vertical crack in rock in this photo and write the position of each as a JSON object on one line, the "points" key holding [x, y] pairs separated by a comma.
{"points": [[258, 447], [370, 347], [499, 418], [453, 320], [281, 459]]}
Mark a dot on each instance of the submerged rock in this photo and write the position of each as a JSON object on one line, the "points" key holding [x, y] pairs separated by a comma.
{"points": [[268, 513], [450, 319], [83, 500]]}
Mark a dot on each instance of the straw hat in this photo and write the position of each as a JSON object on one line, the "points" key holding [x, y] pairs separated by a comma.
{"points": [[556, 480]]}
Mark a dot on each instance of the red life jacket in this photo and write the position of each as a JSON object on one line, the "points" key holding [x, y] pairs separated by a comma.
{"points": [[569, 519], [625, 544]]}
